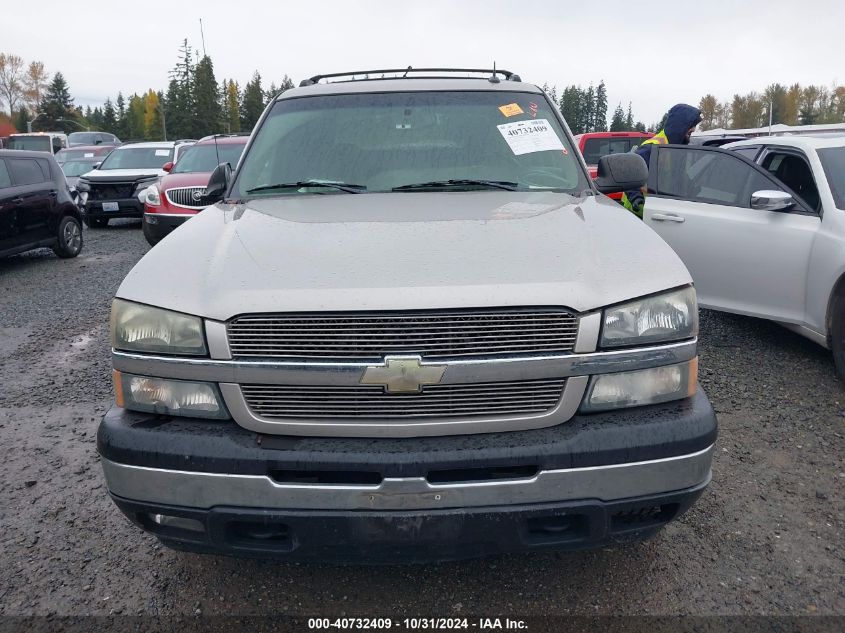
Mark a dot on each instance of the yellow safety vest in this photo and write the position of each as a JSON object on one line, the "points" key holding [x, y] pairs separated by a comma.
{"points": [[658, 139]]}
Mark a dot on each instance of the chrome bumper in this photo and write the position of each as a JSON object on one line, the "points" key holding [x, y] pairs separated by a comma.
{"points": [[606, 483]]}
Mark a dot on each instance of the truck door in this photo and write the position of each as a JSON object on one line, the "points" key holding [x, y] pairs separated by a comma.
{"points": [[744, 260]]}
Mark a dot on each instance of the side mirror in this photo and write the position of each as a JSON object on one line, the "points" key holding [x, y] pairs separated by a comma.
{"points": [[167, 166], [621, 172], [765, 200], [218, 184], [96, 165]]}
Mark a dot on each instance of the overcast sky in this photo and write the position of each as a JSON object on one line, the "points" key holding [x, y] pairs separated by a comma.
{"points": [[653, 54]]}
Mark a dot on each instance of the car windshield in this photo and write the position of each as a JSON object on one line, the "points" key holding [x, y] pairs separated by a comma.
{"points": [[72, 154], [202, 158], [833, 161], [84, 138], [77, 167], [138, 158], [32, 143], [410, 141]]}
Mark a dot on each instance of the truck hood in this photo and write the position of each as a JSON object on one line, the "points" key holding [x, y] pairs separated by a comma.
{"points": [[397, 251]]}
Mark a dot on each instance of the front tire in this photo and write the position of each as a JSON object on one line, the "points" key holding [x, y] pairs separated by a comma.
{"points": [[837, 335], [69, 238], [149, 234]]}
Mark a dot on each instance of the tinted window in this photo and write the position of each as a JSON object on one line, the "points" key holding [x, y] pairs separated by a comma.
{"points": [[833, 162], [387, 140], [207, 157], [595, 148], [748, 152], [5, 180], [138, 158], [26, 171], [793, 171], [33, 143], [707, 176]]}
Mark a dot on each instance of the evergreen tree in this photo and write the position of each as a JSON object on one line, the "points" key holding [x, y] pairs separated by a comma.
{"points": [[207, 113], [120, 114], [231, 106], [629, 118], [57, 104], [639, 126], [570, 108], [153, 124], [600, 116], [588, 108], [618, 122], [20, 119], [180, 119], [135, 117], [109, 118], [252, 104], [96, 119]]}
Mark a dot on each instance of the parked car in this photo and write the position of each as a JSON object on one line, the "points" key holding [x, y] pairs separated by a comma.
{"points": [[594, 145], [179, 194], [92, 138], [760, 226], [116, 189], [76, 167], [50, 142], [409, 328], [36, 209], [85, 152]]}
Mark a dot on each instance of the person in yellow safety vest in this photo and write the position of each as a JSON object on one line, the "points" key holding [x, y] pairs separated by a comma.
{"points": [[680, 124]]}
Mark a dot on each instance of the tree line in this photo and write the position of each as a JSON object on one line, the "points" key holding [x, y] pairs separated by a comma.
{"points": [[790, 105], [194, 104]]}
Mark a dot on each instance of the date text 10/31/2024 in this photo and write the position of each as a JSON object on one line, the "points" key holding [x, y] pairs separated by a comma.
{"points": [[416, 624]]}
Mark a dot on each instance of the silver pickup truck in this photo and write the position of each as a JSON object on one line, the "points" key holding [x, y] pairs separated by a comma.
{"points": [[410, 327]]}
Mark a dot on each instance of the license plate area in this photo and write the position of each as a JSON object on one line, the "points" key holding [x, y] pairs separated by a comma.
{"points": [[110, 206]]}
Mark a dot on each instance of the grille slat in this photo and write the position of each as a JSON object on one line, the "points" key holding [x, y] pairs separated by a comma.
{"points": [[367, 336], [444, 401], [184, 197], [111, 191]]}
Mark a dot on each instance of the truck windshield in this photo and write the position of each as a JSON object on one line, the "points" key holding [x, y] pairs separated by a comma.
{"points": [[833, 161], [201, 158], [32, 143], [77, 167], [138, 158], [410, 141]]}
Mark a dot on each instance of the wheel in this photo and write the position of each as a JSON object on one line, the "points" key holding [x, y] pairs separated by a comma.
{"points": [[69, 238], [96, 223], [837, 335], [152, 238]]}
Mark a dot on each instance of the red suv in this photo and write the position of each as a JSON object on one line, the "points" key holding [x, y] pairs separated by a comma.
{"points": [[594, 145], [179, 195]]}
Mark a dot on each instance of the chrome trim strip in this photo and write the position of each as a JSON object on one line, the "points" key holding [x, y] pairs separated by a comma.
{"points": [[457, 371], [218, 342], [589, 326], [607, 483], [573, 393], [187, 216]]}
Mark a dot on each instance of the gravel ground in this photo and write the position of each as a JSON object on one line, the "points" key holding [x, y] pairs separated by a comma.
{"points": [[766, 538]]}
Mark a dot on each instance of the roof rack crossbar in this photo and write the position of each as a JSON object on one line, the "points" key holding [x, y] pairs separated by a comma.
{"points": [[508, 75]]}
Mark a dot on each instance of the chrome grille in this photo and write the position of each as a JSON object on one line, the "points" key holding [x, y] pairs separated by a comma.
{"points": [[184, 197], [442, 401], [371, 336]]}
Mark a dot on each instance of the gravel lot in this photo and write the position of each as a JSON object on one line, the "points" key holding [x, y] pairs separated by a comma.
{"points": [[767, 537]]}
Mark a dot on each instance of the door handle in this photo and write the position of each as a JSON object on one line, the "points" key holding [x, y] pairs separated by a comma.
{"points": [[17, 200], [667, 217]]}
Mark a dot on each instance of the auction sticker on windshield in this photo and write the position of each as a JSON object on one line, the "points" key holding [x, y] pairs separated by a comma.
{"points": [[526, 137]]}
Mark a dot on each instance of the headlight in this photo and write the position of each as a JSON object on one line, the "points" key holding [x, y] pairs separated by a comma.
{"points": [[641, 387], [83, 185], [140, 328], [667, 317], [153, 197], [169, 397]]}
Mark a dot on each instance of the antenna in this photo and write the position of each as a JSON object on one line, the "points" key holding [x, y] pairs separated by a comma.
{"points": [[216, 151], [202, 35], [494, 79]]}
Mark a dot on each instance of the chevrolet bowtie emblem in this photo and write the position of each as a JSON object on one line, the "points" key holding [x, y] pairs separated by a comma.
{"points": [[403, 374]]}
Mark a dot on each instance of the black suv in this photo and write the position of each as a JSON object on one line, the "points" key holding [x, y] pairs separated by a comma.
{"points": [[36, 208]]}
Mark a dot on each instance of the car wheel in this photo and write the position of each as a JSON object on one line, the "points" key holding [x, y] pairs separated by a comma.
{"points": [[837, 335], [69, 238], [152, 238]]}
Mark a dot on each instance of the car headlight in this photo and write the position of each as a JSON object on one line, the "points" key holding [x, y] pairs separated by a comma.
{"points": [[153, 196], [641, 387], [140, 328], [671, 316], [83, 186], [169, 397]]}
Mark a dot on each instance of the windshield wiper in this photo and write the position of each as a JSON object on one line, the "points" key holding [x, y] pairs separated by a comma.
{"points": [[340, 186], [463, 182]]}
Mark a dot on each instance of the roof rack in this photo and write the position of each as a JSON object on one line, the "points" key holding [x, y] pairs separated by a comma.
{"points": [[226, 135], [493, 78]]}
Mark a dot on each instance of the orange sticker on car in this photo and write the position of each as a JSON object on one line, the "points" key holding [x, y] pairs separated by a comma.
{"points": [[512, 109]]}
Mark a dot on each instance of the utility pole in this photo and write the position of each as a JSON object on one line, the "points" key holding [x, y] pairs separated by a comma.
{"points": [[770, 116], [202, 35]]}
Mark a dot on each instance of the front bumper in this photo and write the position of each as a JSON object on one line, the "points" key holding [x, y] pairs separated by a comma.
{"points": [[595, 479], [127, 208], [160, 225]]}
